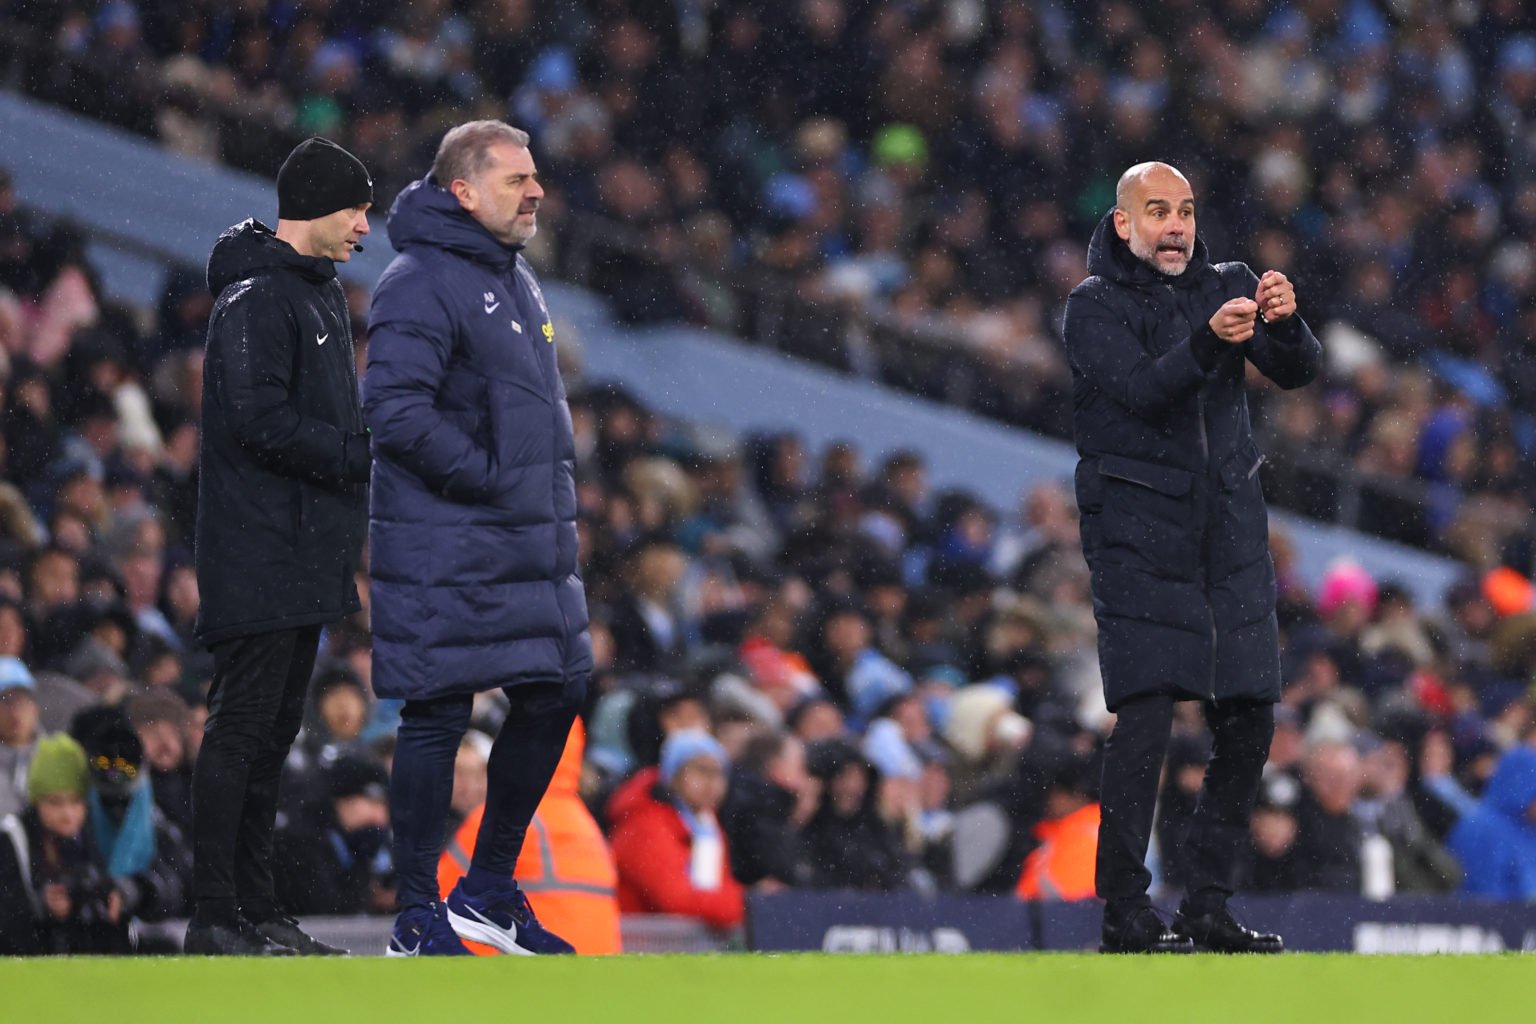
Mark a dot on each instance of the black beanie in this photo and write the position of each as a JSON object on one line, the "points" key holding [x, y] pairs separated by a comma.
{"points": [[319, 178]]}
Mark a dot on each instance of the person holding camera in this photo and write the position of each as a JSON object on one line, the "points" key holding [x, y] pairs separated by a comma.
{"points": [[56, 896]]}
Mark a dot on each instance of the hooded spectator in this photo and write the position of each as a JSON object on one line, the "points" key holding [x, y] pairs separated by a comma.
{"points": [[849, 844]]}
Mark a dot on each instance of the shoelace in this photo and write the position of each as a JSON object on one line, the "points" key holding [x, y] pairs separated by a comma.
{"points": [[516, 904]]}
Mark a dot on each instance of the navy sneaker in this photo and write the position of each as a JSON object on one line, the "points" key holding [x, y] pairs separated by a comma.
{"points": [[422, 930], [502, 918]]}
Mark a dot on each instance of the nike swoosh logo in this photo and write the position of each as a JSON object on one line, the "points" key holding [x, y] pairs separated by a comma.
{"points": [[511, 931], [320, 338], [491, 307]]}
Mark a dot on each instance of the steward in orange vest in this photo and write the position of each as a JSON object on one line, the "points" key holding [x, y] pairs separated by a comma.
{"points": [[565, 867], [1062, 866]]}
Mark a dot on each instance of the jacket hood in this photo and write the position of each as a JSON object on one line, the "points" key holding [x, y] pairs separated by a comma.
{"points": [[1513, 785], [633, 796], [250, 248], [425, 214], [1110, 257]]}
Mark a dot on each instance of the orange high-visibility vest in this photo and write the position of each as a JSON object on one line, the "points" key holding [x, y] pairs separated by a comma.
{"points": [[1061, 867], [565, 867]]}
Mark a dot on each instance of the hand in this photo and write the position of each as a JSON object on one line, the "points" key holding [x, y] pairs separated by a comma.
{"points": [[1233, 322], [56, 899], [1437, 758], [1276, 296]]}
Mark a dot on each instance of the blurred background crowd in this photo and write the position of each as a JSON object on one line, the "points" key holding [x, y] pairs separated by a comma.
{"points": [[865, 683]]}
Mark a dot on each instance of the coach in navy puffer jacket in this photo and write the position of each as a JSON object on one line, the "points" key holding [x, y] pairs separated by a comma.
{"points": [[472, 532]]}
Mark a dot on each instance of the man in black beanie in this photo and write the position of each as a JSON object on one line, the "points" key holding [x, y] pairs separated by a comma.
{"points": [[282, 510]]}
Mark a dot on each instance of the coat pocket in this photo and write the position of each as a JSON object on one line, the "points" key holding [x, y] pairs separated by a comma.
{"points": [[1147, 517], [1240, 521], [1241, 467]]}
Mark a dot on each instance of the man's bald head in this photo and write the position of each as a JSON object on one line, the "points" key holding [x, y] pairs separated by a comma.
{"points": [[1155, 216], [1136, 179]]}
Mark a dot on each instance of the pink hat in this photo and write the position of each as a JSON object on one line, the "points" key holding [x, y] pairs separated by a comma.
{"points": [[1345, 580]]}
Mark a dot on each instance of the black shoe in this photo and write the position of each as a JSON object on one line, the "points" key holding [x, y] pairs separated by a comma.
{"points": [[1142, 932], [285, 931], [1220, 932], [214, 938]]}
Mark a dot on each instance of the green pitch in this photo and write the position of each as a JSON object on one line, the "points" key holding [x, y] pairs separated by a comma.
{"points": [[1313, 989]]}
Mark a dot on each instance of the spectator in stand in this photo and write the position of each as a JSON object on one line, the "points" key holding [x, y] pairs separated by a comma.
{"points": [[55, 894], [1270, 864], [1329, 836], [770, 799], [147, 855], [1497, 840], [1419, 862], [18, 732], [855, 669], [671, 854], [160, 719], [647, 627], [849, 844], [336, 860]]}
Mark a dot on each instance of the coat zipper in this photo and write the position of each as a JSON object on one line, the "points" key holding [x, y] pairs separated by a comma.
{"points": [[521, 287], [1205, 478]]}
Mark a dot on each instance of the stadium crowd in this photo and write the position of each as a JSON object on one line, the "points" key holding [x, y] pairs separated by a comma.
{"points": [[896, 689], [935, 168]]}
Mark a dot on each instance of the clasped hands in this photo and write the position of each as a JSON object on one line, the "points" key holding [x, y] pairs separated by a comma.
{"points": [[1276, 299]]}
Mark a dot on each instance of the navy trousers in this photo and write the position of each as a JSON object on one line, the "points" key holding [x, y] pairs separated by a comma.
{"points": [[523, 760]]}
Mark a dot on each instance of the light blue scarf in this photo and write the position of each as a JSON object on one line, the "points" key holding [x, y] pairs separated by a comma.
{"points": [[129, 847]]}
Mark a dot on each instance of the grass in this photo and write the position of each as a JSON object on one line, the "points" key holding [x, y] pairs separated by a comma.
{"points": [[1051, 987]]}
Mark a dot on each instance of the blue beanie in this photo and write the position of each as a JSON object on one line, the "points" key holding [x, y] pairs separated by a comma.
{"points": [[889, 751], [682, 747]]}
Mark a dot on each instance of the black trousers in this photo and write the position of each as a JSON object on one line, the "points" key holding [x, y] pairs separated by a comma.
{"points": [[1133, 761], [255, 709], [523, 760]]}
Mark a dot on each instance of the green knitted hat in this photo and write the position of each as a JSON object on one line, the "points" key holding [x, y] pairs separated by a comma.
{"points": [[57, 767]]}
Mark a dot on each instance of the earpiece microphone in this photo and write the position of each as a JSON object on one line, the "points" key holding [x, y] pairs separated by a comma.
{"points": [[356, 247]]}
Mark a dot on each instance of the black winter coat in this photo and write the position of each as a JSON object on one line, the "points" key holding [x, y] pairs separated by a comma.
{"points": [[762, 839], [1174, 525], [282, 487]]}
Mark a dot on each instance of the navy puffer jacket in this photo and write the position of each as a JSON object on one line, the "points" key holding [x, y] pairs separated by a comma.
{"points": [[472, 528]]}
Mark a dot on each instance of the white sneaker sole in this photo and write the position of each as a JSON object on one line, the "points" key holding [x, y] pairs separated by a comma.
{"points": [[391, 951], [489, 934]]}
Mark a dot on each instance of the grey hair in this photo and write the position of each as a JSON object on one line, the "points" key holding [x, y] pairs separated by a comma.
{"points": [[465, 150]]}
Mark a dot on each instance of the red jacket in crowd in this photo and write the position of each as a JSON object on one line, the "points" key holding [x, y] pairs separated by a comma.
{"points": [[652, 849]]}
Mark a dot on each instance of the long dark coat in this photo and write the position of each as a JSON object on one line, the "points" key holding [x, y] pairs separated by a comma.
{"points": [[283, 472], [1173, 519]]}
